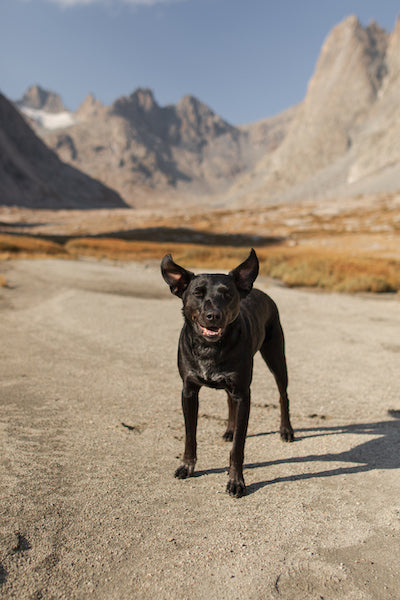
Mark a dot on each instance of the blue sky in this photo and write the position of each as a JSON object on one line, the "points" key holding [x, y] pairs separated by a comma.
{"points": [[246, 59]]}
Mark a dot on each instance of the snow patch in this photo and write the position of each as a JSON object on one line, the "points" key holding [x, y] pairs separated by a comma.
{"points": [[50, 120]]}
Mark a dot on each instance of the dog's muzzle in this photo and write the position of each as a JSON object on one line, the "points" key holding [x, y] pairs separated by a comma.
{"points": [[213, 332]]}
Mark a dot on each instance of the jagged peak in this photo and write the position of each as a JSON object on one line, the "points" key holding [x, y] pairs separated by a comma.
{"points": [[350, 22], [144, 97], [195, 111], [351, 27], [350, 44], [89, 107], [373, 26], [189, 100], [39, 98], [90, 100], [141, 100]]}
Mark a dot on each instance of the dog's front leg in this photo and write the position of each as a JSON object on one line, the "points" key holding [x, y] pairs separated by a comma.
{"points": [[236, 486], [232, 413], [190, 408]]}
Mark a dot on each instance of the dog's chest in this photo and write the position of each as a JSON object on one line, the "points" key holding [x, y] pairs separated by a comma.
{"points": [[210, 374]]}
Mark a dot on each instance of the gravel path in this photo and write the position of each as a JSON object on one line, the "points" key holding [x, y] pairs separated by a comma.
{"points": [[91, 431]]}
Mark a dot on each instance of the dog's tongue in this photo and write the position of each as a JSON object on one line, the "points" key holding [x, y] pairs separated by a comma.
{"points": [[210, 332]]}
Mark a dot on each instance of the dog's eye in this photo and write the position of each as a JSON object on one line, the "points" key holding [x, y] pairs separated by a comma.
{"points": [[227, 294], [199, 293]]}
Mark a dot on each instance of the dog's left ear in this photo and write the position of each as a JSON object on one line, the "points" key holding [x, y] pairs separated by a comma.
{"points": [[245, 274], [177, 277]]}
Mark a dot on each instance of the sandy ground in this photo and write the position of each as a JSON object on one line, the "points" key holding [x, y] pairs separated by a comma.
{"points": [[91, 430]]}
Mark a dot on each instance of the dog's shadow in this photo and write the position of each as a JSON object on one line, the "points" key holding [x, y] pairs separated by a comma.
{"points": [[382, 452]]}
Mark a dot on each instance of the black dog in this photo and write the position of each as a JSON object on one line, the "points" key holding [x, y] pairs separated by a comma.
{"points": [[226, 323]]}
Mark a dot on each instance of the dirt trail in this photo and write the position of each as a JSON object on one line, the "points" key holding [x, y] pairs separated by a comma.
{"points": [[91, 428]]}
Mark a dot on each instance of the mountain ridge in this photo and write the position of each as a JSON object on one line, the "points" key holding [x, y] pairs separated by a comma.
{"points": [[32, 175], [334, 126], [341, 140], [142, 149]]}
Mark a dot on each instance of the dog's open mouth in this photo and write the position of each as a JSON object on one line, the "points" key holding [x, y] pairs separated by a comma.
{"points": [[212, 332]]}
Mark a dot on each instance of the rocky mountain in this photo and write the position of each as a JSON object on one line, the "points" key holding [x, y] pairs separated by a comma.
{"points": [[344, 137], [142, 149], [37, 98], [32, 175], [44, 109], [377, 147], [341, 140]]}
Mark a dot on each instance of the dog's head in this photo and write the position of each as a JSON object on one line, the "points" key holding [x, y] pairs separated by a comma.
{"points": [[211, 302]]}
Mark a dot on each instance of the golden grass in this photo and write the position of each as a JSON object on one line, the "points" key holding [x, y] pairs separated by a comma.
{"points": [[26, 246], [298, 266], [332, 270], [194, 255]]}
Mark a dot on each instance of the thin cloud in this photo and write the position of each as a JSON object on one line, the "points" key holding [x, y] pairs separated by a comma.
{"points": [[71, 3]]}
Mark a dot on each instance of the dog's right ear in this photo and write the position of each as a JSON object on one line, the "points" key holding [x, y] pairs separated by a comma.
{"points": [[177, 277]]}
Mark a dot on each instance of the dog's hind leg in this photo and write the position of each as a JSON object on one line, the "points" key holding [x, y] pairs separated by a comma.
{"points": [[232, 414], [273, 352]]}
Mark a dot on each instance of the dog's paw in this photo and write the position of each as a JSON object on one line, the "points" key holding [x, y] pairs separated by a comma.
{"points": [[228, 436], [236, 488], [184, 471], [287, 434]]}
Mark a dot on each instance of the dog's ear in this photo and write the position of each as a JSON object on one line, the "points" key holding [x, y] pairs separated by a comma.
{"points": [[177, 277], [246, 273]]}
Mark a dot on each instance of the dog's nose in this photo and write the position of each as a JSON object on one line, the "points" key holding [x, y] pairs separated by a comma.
{"points": [[213, 315]]}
